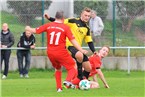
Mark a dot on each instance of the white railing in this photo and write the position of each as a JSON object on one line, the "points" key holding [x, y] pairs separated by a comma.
{"points": [[128, 50]]}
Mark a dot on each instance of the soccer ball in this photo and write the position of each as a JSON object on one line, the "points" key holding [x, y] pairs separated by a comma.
{"points": [[84, 84]]}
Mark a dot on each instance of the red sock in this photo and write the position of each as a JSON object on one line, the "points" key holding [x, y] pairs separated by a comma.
{"points": [[76, 81], [58, 79], [71, 74]]}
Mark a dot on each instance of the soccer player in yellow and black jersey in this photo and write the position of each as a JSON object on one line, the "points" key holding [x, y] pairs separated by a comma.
{"points": [[81, 31]]}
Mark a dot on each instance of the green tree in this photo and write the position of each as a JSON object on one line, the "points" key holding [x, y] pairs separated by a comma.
{"points": [[99, 6], [128, 11], [27, 11]]}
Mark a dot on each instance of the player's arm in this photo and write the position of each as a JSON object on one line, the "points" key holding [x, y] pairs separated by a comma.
{"points": [[89, 41], [77, 46], [32, 30], [101, 76], [91, 46], [49, 18]]}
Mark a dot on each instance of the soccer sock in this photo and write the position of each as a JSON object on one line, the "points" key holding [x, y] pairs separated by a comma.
{"points": [[76, 81], [86, 74], [58, 79], [80, 73], [71, 73]]}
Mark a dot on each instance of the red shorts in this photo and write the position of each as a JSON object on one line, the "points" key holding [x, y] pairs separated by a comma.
{"points": [[61, 58], [92, 73]]}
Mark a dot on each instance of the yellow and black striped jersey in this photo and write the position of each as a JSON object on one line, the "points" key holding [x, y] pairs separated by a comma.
{"points": [[79, 29]]}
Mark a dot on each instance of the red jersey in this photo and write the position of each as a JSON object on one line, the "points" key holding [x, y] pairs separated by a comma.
{"points": [[56, 44], [95, 62], [56, 34]]}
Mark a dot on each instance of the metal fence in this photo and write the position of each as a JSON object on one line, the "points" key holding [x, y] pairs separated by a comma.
{"points": [[124, 20], [125, 48]]}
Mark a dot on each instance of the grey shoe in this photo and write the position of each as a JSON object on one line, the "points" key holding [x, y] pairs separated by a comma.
{"points": [[26, 76], [4, 77], [21, 75]]}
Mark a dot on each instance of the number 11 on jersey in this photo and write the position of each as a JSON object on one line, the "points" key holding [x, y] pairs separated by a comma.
{"points": [[52, 34]]}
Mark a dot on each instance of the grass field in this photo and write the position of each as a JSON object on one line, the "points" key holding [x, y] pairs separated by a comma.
{"points": [[42, 84]]}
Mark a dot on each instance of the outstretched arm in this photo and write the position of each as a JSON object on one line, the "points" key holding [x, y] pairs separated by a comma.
{"points": [[91, 46], [101, 76], [49, 18]]}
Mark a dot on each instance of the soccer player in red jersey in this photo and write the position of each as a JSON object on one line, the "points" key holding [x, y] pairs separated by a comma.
{"points": [[57, 32], [96, 62]]}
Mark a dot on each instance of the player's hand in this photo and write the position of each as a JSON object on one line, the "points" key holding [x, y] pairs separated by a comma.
{"points": [[95, 53], [106, 86], [84, 52], [46, 16]]}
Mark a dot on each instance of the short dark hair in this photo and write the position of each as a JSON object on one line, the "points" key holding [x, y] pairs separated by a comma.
{"points": [[59, 15]]}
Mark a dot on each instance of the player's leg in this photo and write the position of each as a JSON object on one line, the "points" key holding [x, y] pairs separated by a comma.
{"points": [[71, 74], [78, 56], [54, 60], [69, 63], [79, 60], [87, 67], [58, 80]]}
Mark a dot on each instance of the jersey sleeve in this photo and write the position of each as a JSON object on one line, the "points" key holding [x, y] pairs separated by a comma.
{"points": [[42, 28], [69, 20], [66, 21], [96, 62], [69, 34], [88, 37]]}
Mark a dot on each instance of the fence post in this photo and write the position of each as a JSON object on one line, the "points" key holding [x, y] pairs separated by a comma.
{"points": [[128, 61], [114, 26], [43, 22]]}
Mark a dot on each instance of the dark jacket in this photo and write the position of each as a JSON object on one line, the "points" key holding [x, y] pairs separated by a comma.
{"points": [[26, 42], [7, 39]]}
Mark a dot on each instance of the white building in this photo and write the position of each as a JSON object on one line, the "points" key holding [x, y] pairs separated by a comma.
{"points": [[65, 5]]}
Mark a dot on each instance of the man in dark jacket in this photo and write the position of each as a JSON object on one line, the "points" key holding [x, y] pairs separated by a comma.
{"points": [[6, 41], [27, 40]]}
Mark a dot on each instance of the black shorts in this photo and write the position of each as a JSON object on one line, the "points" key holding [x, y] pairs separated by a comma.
{"points": [[73, 51]]}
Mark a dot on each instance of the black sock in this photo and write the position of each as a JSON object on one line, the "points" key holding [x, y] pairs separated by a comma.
{"points": [[79, 68], [86, 74]]}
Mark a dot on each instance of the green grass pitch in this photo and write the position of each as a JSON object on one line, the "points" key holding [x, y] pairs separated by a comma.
{"points": [[42, 84]]}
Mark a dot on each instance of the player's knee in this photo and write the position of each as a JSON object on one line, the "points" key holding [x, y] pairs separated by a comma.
{"points": [[88, 68], [79, 57]]}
